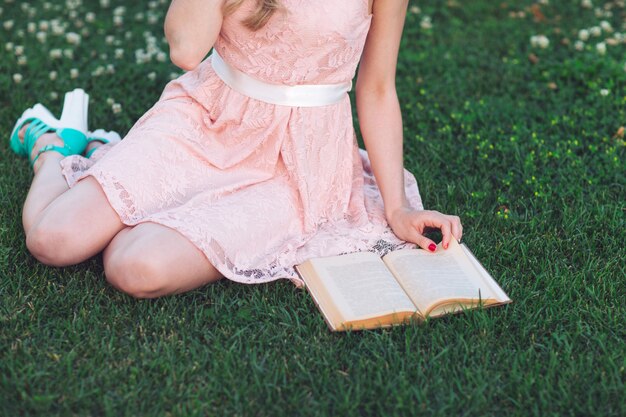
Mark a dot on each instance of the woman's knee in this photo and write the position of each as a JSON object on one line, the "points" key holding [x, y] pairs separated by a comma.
{"points": [[74, 227], [51, 244], [135, 274]]}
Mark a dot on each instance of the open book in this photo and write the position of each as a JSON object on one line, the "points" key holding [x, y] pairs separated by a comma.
{"points": [[362, 291]]}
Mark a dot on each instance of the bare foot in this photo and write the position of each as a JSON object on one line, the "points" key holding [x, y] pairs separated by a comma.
{"points": [[93, 145]]}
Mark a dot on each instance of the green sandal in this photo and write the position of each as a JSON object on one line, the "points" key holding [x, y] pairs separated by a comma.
{"points": [[100, 135], [71, 127]]}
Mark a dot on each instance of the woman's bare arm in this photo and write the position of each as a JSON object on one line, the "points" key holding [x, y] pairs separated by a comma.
{"points": [[191, 28], [380, 120], [377, 101]]}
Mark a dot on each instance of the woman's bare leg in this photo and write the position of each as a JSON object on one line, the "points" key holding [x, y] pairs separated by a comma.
{"points": [[75, 226], [151, 260], [48, 182]]}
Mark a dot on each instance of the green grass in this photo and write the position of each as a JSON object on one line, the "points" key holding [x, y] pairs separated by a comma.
{"points": [[536, 173]]}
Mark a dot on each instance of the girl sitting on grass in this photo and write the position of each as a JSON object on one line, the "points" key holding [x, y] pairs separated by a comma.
{"points": [[248, 164]]}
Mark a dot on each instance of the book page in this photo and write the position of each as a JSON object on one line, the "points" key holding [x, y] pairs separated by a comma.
{"points": [[430, 278], [495, 288], [361, 285]]}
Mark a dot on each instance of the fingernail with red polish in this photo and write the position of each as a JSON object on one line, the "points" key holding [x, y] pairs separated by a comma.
{"points": [[432, 247]]}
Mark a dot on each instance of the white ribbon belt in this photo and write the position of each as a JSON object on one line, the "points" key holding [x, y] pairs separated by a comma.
{"points": [[309, 95]]}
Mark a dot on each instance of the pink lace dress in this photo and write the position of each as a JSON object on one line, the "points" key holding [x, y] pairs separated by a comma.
{"points": [[257, 187]]}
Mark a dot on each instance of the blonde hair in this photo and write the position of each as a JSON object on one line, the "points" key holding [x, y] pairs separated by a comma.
{"points": [[264, 10]]}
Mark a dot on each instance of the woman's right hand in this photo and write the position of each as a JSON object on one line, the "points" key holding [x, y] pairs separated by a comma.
{"points": [[409, 225]]}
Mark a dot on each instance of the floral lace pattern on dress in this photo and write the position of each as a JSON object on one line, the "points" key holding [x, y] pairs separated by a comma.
{"points": [[257, 187]]}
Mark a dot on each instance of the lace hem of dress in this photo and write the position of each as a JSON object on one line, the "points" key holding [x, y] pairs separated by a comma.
{"points": [[75, 168], [276, 269], [326, 240]]}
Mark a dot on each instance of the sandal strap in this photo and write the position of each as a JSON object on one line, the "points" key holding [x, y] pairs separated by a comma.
{"points": [[63, 151], [33, 132], [74, 141]]}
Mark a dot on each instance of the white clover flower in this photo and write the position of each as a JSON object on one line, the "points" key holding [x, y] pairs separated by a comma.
{"points": [[534, 41], [56, 53], [18, 50], [31, 27], [73, 14], [426, 23], [98, 71], [110, 101], [161, 56], [110, 69], [68, 53], [601, 48], [109, 39], [540, 41], [153, 19], [41, 36], [579, 45], [544, 2], [53, 75], [9, 46], [73, 38], [604, 92], [116, 108], [587, 4], [58, 30], [583, 35], [105, 3], [606, 26], [57, 27], [139, 16], [596, 31], [119, 53], [415, 10], [44, 25], [90, 17], [173, 75], [54, 95], [73, 4], [119, 11], [17, 78], [74, 73], [8, 24], [141, 57], [22, 60], [118, 20], [152, 76]]}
